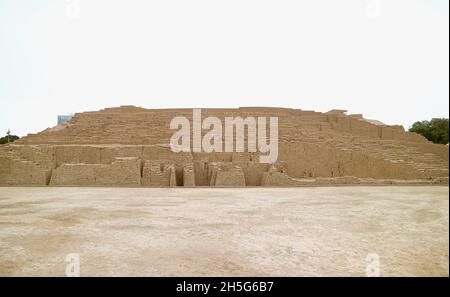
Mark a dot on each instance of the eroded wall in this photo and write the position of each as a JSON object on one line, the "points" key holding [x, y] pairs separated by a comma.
{"points": [[129, 146]]}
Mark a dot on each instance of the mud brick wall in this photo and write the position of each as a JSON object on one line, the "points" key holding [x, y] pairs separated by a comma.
{"points": [[188, 175], [122, 172], [159, 174], [129, 146], [222, 174]]}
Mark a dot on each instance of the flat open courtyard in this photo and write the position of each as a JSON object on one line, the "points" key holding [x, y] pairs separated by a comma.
{"points": [[316, 231]]}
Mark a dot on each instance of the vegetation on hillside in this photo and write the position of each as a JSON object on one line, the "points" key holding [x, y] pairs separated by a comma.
{"points": [[435, 130], [8, 138]]}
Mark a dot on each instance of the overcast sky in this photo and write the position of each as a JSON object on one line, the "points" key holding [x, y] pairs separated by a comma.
{"points": [[386, 59]]}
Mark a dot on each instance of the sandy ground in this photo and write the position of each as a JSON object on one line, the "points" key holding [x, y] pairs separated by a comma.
{"points": [[327, 231]]}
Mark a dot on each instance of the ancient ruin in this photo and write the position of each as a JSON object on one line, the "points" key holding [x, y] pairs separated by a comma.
{"points": [[129, 146]]}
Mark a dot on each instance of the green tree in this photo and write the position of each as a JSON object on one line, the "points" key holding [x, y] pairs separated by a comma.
{"points": [[8, 138], [435, 130]]}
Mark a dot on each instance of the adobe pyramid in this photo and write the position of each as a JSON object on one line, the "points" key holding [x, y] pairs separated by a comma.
{"points": [[128, 146]]}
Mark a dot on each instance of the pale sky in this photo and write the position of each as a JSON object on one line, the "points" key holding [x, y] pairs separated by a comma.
{"points": [[386, 59]]}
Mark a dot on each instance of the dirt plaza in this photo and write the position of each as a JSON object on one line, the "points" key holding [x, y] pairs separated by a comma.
{"points": [[311, 231]]}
